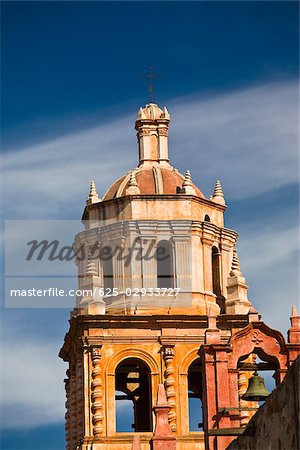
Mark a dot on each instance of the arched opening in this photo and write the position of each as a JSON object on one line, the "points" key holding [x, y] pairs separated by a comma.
{"points": [[195, 396], [265, 365], [164, 259], [133, 396], [108, 270], [216, 278], [248, 365], [206, 218]]}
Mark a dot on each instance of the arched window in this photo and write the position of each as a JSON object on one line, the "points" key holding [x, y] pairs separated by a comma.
{"points": [[195, 397], [108, 270], [266, 366], [164, 259], [206, 218], [216, 278], [133, 396]]}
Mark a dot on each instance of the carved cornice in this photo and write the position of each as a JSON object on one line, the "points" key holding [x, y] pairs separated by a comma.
{"points": [[163, 131], [90, 342], [121, 202], [151, 229], [73, 338]]}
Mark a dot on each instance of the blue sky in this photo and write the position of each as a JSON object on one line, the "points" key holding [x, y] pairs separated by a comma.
{"points": [[71, 86]]}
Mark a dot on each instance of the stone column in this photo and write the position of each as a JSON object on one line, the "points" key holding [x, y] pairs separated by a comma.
{"points": [[209, 395], [225, 266], [233, 375], [118, 265], [223, 393], [197, 263], [163, 142], [183, 268], [149, 270], [216, 393], [223, 397], [132, 261], [168, 354], [96, 393], [208, 232], [92, 301]]}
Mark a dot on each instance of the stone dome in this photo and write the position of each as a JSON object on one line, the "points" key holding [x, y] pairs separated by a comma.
{"points": [[151, 180]]}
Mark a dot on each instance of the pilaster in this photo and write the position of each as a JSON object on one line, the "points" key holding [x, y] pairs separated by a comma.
{"points": [[183, 262]]}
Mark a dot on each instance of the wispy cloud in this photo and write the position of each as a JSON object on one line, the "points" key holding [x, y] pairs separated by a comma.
{"points": [[32, 391], [269, 260], [33, 375], [248, 138]]}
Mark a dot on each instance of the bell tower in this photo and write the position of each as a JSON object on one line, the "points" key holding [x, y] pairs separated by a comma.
{"points": [[163, 309]]}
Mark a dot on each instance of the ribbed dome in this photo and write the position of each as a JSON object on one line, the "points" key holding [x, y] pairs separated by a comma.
{"points": [[151, 180]]}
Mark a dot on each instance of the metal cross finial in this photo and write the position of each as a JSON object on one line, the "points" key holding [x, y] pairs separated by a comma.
{"points": [[151, 76]]}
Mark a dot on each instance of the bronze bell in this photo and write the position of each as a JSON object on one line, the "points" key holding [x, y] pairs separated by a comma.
{"points": [[256, 391]]}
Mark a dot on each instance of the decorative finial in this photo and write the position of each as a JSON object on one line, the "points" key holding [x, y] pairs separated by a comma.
{"points": [[141, 114], [188, 178], [294, 330], [235, 265], [133, 187], [93, 195], [187, 186], [218, 196], [253, 315], [237, 301], [166, 114], [161, 399], [132, 179]]}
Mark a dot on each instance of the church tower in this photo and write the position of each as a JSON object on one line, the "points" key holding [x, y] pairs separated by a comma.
{"points": [[163, 322]]}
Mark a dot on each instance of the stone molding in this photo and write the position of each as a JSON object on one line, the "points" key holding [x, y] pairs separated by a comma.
{"points": [[258, 335], [132, 353], [209, 231]]}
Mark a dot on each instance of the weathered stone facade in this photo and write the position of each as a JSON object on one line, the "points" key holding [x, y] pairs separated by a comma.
{"points": [[131, 344]]}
